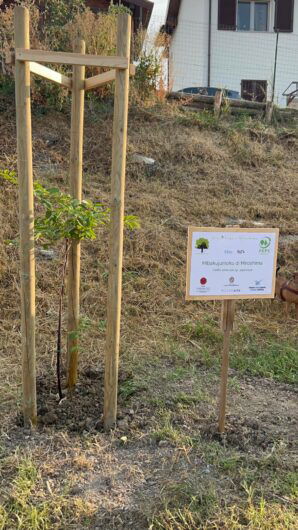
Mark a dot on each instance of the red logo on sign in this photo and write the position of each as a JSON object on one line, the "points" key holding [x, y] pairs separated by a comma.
{"points": [[203, 281]]}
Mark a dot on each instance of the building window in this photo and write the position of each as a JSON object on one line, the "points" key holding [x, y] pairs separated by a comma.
{"points": [[253, 90], [243, 16], [261, 16], [252, 16]]}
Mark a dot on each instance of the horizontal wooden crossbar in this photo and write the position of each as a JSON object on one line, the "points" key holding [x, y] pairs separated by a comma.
{"points": [[71, 58], [47, 73], [106, 77]]}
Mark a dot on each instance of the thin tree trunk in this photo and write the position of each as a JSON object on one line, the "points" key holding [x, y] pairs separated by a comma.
{"points": [[59, 329]]}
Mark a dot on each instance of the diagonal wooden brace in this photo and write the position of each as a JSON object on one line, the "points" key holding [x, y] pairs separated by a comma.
{"points": [[106, 77], [51, 75]]}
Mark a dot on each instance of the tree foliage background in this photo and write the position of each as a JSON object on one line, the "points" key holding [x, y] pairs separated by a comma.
{"points": [[54, 25]]}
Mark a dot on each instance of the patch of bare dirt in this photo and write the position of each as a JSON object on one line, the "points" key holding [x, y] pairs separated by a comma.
{"points": [[260, 413]]}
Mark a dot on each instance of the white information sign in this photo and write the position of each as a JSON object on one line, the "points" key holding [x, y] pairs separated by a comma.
{"points": [[227, 263]]}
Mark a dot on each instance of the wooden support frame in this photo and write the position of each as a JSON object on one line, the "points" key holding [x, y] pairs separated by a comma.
{"points": [[79, 59], [116, 230], [26, 216], [27, 61]]}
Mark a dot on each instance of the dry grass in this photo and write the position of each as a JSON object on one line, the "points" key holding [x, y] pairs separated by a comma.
{"points": [[209, 175]]}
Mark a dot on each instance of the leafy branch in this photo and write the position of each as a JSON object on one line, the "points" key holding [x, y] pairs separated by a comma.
{"points": [[63, 217]]}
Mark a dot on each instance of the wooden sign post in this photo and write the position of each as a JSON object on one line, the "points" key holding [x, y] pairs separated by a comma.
{"points": [[230, 264], [227, 322]]}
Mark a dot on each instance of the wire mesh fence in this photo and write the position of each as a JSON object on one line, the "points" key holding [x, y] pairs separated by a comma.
{"points": [[258, 65]]}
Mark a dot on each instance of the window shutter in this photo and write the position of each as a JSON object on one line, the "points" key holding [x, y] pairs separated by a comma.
{"points": [[227, 14], [284, 15]]}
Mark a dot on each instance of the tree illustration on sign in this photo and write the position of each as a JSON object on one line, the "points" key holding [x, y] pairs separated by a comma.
{"points": [[202, 243]]}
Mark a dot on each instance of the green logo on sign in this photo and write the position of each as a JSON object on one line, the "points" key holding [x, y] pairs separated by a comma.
{"points": [[202, 244], [265, 243]]}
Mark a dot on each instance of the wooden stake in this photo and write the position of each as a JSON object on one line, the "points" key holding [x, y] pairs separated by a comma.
{"points": [[218, 102], [269, 111], [26, 218], [75, 180], [228, 312], [116, 231]]}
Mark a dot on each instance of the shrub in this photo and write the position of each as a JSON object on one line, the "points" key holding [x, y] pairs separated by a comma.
{"points": [[147, 74], [56, 28]]}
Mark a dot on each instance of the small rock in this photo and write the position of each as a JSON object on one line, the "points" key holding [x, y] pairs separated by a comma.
{"points": [[142, 423], [46, 254], [123, 424], [75, 490], [52, 141], [163, 443], [49, 418], [131, 412], [143, 159], [73, 427], [42, 411], [27, 433], [234, 221], [253, 425], [150, 481]]}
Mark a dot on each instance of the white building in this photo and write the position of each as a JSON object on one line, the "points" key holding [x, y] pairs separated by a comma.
{"points": [[232, 44]]}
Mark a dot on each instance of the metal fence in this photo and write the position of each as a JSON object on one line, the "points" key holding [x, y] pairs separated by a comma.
{"points": [[258, 65]]}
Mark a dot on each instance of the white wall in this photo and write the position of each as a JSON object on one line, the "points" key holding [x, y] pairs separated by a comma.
{"points": [[235, 55], [188, 53]]}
